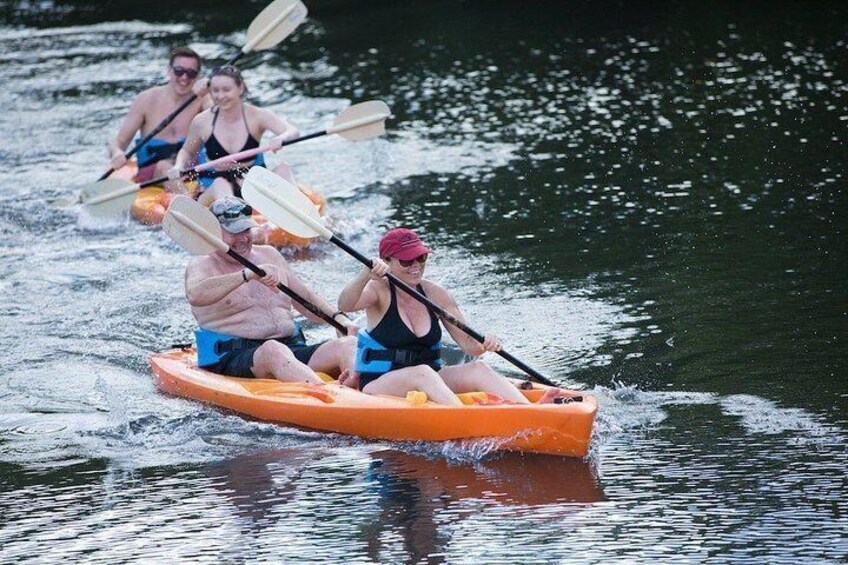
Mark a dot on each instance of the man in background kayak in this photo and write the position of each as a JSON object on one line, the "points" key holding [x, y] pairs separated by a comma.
{"points": [[151, 107], [247, 327]]}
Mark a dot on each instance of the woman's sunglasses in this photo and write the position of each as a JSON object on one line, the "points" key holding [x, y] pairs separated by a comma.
{"points": [[421, 259], [180, 71]]}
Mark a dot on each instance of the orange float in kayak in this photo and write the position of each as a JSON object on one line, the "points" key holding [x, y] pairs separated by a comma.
{"points": [[556, 429]]}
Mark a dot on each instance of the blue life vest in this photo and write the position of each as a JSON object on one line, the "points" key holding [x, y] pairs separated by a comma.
{"points": [[156, 150], [373, 357], [212, 346]]}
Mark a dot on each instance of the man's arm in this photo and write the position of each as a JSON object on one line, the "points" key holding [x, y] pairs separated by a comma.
{"points": [[133, 122], [204, 289]]}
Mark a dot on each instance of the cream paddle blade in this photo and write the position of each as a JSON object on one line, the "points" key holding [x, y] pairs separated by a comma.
{"points": [[273, 24], [193, 227], [283, 203], [362, 121], [108, 197]]}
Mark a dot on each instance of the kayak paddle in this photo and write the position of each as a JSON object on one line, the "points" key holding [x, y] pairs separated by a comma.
{"points": [[287, 207], [276, 22], [358, 122], [197, 230]]}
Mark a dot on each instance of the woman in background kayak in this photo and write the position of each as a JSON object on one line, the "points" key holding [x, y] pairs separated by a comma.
{"points": [[400, 350], [231, 126]]}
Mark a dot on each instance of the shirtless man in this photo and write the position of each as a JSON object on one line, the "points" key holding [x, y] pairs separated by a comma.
{"points": [[247, 328], [152, 106]]}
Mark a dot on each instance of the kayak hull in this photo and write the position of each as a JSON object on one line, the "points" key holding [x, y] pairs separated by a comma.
{"points": [[556, 429]]}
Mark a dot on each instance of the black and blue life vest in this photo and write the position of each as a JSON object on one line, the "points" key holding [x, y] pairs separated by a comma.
{"points": [[212, 346]]}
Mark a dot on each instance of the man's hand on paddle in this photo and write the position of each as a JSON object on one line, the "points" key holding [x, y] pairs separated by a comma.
{"points": [[491, 343], [271, 278], [118, 160], [200, 87]]}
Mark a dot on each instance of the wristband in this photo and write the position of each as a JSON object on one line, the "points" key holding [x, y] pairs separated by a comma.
{"points": [[244, 274], [339, 312]]}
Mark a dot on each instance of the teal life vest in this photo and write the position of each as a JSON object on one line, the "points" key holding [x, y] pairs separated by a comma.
{"points": [[373, 357]]}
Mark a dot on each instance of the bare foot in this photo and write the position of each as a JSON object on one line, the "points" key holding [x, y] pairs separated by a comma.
{"points": [[349, 378], [550, 396]]}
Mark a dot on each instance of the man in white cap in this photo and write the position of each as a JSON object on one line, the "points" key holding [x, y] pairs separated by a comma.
{"points": [[247, 327]]}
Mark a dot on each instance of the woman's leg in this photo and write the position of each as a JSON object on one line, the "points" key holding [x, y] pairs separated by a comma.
{"points": [[420, 377], [471, 377], [335, 356]]}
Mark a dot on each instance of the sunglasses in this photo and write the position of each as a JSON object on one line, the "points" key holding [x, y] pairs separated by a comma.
{"points": [[421, 259], [180, 71], [226, 70], [235, 212]]}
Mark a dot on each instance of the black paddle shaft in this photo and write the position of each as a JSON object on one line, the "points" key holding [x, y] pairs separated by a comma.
{"points": [[286, 290], [164, 123], [444, 314]]}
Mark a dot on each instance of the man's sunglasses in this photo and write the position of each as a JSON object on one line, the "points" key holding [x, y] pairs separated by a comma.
{"points": [[421, 259], [235, 212], [180, 71]]}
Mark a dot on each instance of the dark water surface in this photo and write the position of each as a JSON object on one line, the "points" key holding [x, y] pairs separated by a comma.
{"points": [[645, 201]]}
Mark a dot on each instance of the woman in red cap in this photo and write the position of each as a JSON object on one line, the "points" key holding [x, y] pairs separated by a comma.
{"points": [[400, 350]]}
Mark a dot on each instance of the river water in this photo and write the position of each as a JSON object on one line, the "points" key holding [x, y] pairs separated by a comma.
{"points": [[646, 203]]}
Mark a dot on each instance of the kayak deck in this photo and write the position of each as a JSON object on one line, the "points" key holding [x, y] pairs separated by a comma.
{"points": [[558, 429]]}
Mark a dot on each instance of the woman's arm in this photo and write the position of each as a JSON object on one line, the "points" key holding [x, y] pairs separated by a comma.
{"points": [[468, 344], [358, 294], [133, 122], [279, 126]]}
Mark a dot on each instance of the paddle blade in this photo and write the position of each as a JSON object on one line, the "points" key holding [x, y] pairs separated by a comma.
{"points": [[193, 227], [110, 197], [362, 121], [283, 203], [274, 24]]}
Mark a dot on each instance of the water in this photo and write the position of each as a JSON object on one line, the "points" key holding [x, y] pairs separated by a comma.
{"points": [[647, 204]]}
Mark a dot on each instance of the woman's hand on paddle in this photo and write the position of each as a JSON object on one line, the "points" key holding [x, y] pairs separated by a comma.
{"points": [[118, 160], [278, 141], [174, 173], [378, 270], [491, 343]]}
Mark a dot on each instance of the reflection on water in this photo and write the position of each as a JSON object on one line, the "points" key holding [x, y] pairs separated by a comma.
{"points": [[407, 498], [417, 494]]}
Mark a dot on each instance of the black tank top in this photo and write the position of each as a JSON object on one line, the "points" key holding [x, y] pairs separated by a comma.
{"points": [[391, 332], [214, 149]]}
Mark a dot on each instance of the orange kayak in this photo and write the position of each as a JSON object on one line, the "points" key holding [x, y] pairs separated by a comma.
{"points": [[556, 429], [152, 202]]}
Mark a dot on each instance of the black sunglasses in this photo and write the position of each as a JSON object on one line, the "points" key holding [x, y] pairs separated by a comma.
{"points": [[408, 262], [180, 71], [235, 212]]}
